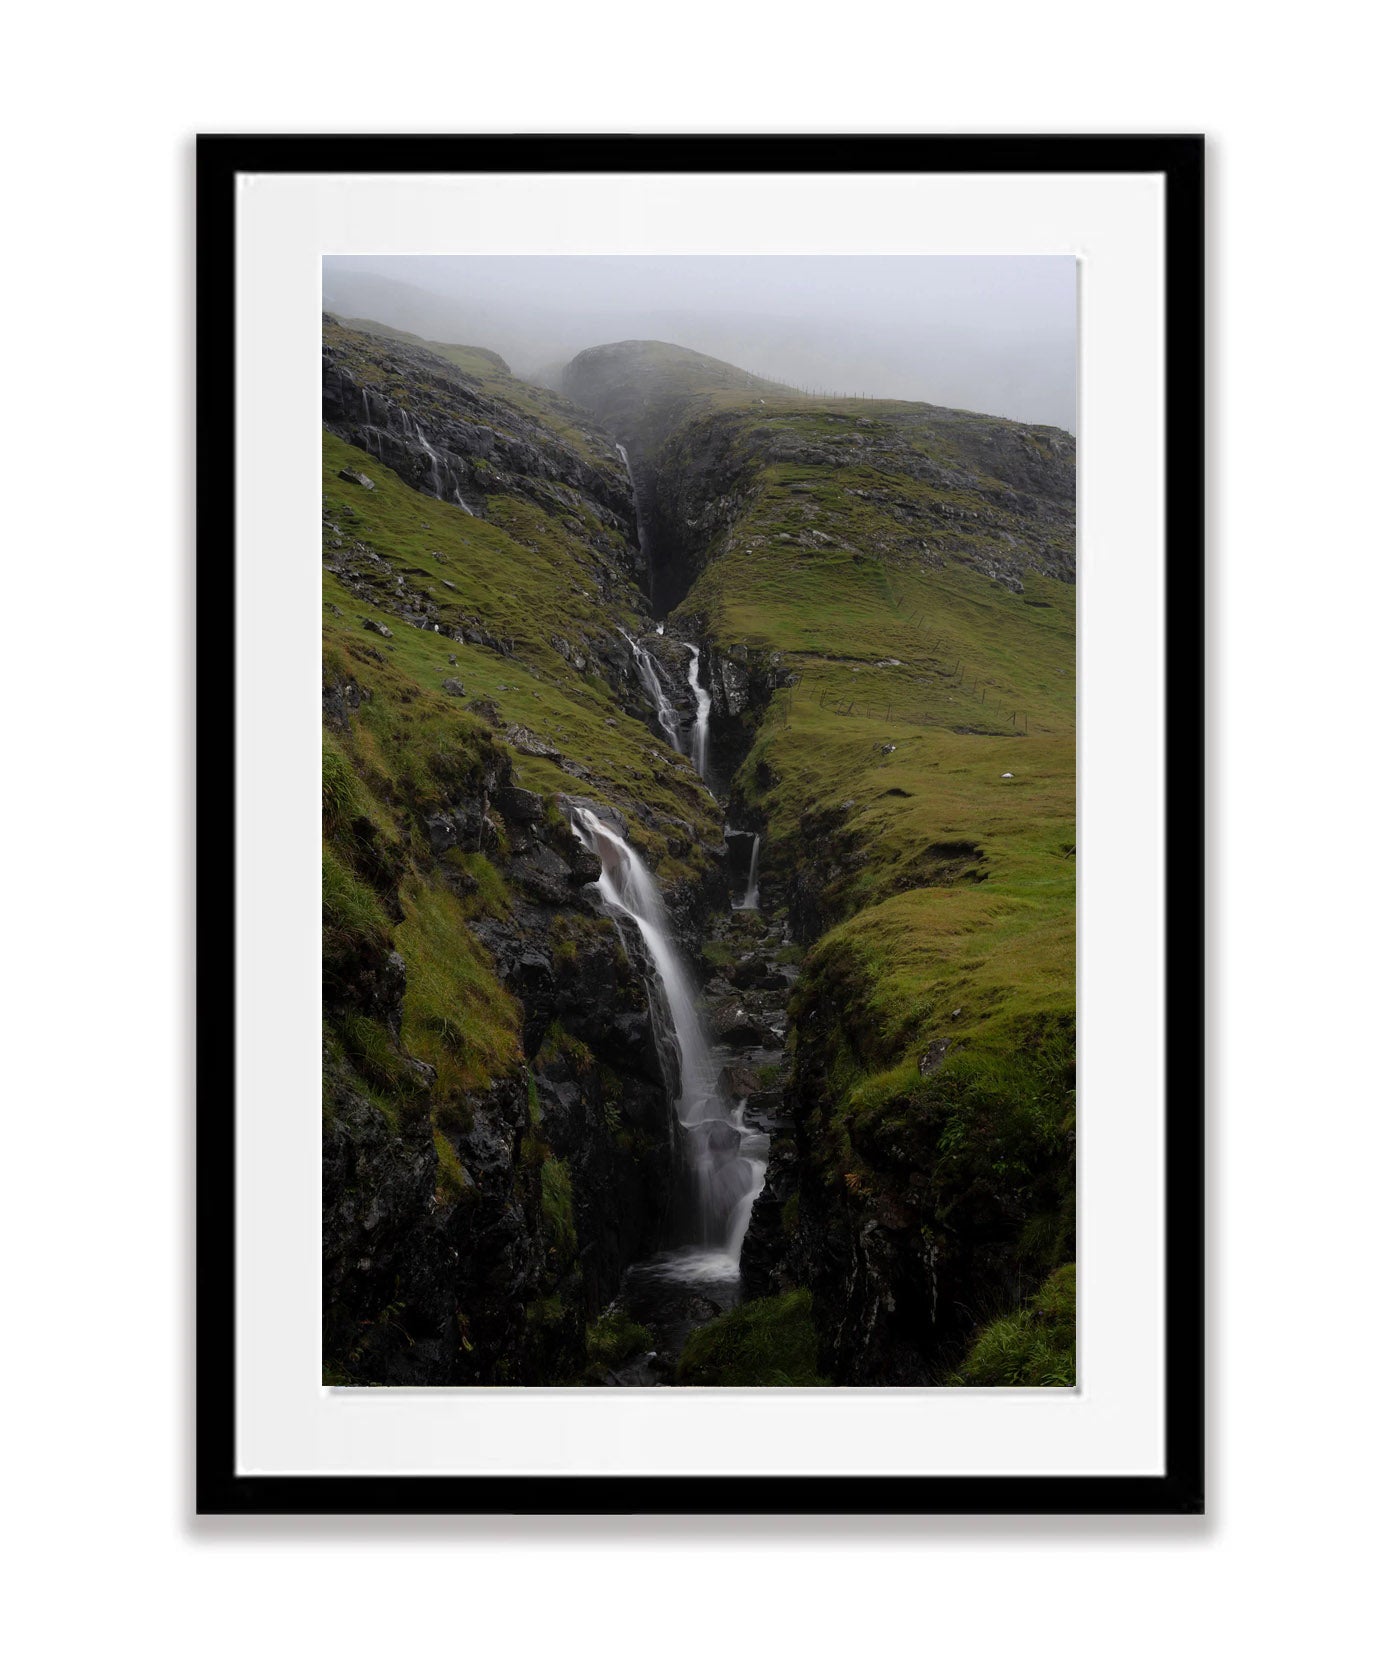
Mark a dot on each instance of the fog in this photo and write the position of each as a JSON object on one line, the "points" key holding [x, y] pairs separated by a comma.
{"points": [[994, 334]]}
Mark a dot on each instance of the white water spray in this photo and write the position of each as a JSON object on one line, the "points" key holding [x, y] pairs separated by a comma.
{"points": [[750, 899], [636, 505], [435, 477], [722, 1175], [700, 734], [649, 672]]}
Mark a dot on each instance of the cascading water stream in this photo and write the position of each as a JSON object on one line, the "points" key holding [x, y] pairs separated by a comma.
{"points": [[700, 734], [723, 1158], [750, 899], [650, 674], [435, 477], [636, 509]]}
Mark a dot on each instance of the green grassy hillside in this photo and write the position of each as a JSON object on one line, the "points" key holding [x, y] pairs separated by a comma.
{"points": [[517, 581], [895, 585]]}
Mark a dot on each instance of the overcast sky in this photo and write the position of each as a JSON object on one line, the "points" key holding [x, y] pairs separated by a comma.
{"points": [[995, 334]]}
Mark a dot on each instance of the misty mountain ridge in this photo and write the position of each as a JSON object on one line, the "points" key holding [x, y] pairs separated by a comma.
{"points": [[973, 350]]}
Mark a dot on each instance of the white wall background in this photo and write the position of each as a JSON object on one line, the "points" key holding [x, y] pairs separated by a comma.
{"points": [[1286, 1576]]}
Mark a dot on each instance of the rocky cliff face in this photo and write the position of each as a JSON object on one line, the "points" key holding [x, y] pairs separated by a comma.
{"points": [[470, 1232], [444, 433]]}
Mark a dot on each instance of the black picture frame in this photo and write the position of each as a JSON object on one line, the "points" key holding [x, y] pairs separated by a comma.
{"points": [[1179, 161]]}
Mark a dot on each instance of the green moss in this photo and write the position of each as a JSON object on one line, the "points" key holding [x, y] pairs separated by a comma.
{"points": [[349, 909], [451, 1179], [1033, 1348], [374, 1056], [339, 801], [613, 1340], [557, 1204], [762, 1344], [558, 1043], [456, 1013], [548, 1313], [488, 894]]}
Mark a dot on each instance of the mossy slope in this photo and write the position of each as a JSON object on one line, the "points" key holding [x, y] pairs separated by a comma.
{"points": [[480, 1197], [885, 593]]}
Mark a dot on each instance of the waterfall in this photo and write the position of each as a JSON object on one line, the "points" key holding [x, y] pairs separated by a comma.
{"points": [[436, 477], [700, 734], [649, 672], [636, 505], [722, 1176], [750, 899]]}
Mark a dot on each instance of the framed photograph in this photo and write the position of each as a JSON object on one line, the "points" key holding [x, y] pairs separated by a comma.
{"points": [[740, 602]]}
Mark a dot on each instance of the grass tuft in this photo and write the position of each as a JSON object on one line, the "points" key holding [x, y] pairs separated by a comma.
{"points": [[770, 1343], [1033, 1348]]}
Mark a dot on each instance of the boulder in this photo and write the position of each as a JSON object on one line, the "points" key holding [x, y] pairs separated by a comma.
{"points": [[732, 1022]]}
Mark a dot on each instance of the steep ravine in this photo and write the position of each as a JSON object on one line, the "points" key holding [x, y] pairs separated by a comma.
{"points": [[726, 1046]]}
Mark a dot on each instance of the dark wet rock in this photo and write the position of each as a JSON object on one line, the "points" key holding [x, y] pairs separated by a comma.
{"points": [[441, 433], [543, 874], [487, 709], [733, 1022], [522, 810], [739, 1080], [766, 1262], [466, 825], [932, 1058], [534, 746], [340, 698], [378, 628]]}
